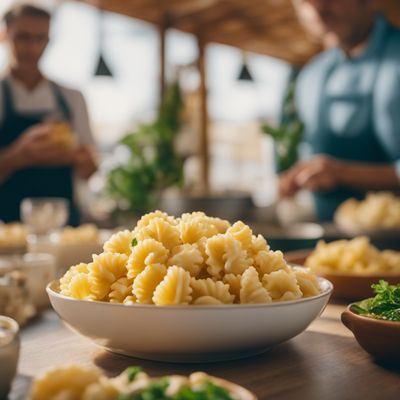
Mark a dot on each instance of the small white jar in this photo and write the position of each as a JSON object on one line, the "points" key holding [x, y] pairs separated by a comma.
{"points": [[9, 352]]}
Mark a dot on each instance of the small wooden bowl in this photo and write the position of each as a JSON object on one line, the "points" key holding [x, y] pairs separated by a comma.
{"points": [[379, 338], [345, 286]]}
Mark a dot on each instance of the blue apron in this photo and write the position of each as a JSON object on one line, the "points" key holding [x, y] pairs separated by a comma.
{"points": [[32, 181], [356, 142]]}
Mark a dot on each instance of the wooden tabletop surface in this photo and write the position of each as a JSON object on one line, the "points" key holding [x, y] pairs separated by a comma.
{"points": [[324, 362]]}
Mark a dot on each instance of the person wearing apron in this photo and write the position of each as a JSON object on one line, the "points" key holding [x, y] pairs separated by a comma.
{"points": [[33, 181], [350, 105], [25, 169]]}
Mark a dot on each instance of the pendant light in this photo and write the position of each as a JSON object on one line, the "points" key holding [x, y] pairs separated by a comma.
{"points": [[244, 73], [102, 69]]}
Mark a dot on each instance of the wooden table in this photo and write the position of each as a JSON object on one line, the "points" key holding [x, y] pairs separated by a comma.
{"points": [[325, 362]]}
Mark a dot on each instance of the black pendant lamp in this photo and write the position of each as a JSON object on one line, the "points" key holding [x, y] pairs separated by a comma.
{"points": [[102, 69], [244, 73]]}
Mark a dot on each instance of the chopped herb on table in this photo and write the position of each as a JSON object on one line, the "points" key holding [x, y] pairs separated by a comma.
{"points": [[385, 305], [157, 391], [133, 372]]}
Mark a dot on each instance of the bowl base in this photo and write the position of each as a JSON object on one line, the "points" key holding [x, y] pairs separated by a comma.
{"points": [[192, 358]]}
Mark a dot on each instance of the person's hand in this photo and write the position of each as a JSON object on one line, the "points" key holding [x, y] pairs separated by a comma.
{"points": [[36, 147], [84, 162], [320, 173]]}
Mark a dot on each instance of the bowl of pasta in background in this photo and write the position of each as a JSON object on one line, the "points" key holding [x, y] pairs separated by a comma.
{"points": [[189, 333], [12, 238], [346, 286], [376, 216]]}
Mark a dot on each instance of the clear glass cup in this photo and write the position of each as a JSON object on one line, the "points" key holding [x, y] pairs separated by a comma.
{"points": [[43, 215]]}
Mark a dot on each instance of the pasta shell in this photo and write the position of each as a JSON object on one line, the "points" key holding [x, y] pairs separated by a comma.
{"points": [[146, 282], [174, 289]]}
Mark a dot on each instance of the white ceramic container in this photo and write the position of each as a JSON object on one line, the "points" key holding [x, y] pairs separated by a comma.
{"points": [[188, 333], [9, 352]]}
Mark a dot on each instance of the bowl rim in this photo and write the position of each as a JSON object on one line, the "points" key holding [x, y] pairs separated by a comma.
{"points": [[326, 292], [370, 320], [369, 276], [13, 323]]}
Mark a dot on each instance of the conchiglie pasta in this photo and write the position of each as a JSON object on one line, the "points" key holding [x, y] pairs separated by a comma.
{"points": [[174, 289], [66, 279], [282, 285], [147, 218], [234, 285], [195, 229], [130, 299], [236, 259], [105, 269], [207, 287], [267, 261], [67, 382], [258, 243], [119, 243], [242, 233], [200, 260], [162, 231], [207, 301], [221, 225], [377, 210], [307, 282], [251, 289], [357, 256], [215, 250], [146, 282], [80, 287], [120, 289], [146, 252], [226, 255], [188, 257]]}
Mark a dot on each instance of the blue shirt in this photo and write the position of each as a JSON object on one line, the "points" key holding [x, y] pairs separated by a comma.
{"points": [[351, 107]]}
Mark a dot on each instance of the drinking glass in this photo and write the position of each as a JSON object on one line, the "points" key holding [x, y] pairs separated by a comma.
{"points": [[43, 215]]}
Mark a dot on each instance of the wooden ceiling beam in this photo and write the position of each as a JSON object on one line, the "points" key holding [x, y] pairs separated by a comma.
{"points": [[256, 25]]}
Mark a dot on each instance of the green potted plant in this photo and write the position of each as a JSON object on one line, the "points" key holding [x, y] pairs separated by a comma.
{"points": [[287, 136], [153, 164]]}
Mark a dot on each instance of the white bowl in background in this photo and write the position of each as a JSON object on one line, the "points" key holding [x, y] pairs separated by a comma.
{"points": [[188, 333], [67, 254]]}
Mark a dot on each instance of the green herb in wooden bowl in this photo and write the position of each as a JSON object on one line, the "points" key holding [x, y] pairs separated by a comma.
{"points": [[385, 305]]}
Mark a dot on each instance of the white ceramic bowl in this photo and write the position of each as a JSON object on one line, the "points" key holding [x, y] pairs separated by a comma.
{"points": [[188, 333]]}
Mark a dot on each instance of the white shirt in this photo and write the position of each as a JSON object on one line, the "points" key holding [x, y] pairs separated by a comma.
{"points": [[43, 99]]}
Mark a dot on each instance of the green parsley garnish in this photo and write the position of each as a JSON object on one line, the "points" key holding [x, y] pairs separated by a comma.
{"points": [[385, 305], [157, 391], [133, 372], [134, 242], [208, 392]]}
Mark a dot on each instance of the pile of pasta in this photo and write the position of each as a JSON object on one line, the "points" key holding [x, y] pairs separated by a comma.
{"points": [[13, 235], [194, 259], [377, 210], [86, 233], [357, 256], [84, 383]]}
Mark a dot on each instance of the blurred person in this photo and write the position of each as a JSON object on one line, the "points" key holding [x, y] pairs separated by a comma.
{"points": [[39, 157], [349, 100]]}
